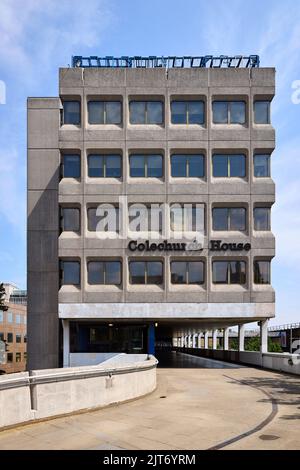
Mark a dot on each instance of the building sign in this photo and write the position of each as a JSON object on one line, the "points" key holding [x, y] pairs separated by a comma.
{"points": [[218, 245], [214, 245]]}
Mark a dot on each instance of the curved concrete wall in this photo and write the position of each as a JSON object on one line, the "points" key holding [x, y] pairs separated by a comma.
{"points": [[53, 392]]}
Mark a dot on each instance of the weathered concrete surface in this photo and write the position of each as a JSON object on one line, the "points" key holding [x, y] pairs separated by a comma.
{"points": [[201, 409]]}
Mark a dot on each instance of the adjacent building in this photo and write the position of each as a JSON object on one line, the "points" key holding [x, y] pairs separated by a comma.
{"points": [[13, 330], [159, 132]]}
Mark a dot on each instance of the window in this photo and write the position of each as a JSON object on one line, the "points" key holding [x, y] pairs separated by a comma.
{"points": [[187, 217], [10, 317], [25, 356], [18, 338], [187, 272], [69, 219], [146, 272], [104, 272], [229, 166], [262, 165], [71, 166], [104, 166], [10, 357], [262, 112], [1, 316], [146, 166], [25, 339], [262, 218], [262, 272], [187, 166], [18, 357], [70, 273], [10, 337], [187, 112], [18, 319], [229, 218], [229, 272], [229, 112], [106, 221], [104, 112], [146, 112], [1, 336], [71, 113], [145, 219]]}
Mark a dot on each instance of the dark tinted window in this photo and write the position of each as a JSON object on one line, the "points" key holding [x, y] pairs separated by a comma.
{"points": [[108, 222], [104, 166], [71, 112], [187, 112], [104, 272], [10, 337], [104, 112], [70, 272], [229, 112], [71, 166], [262, 165], [187, 272], [146, 112], [233, 166], [146, 166], [146, 272], [70, 219], [262, 272], [187, 166], [262, 218], [229, 272], [18, 338], [262, 112]]}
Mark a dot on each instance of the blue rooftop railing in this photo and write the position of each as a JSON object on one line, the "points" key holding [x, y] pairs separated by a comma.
{"points": [[207, 61]]}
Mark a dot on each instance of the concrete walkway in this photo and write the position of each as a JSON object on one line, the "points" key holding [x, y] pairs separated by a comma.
{"points": [[192, 408]]}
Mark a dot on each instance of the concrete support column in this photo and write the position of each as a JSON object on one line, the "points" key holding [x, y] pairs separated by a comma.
{"points": [[206, 340], [190, 341], [264, 336], [66, 345], [226, 339], [194, 340], [199, 340], [241, 337], [151, 339], [214, 339]]}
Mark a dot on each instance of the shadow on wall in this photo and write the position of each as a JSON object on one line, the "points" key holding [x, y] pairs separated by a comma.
{"points": [[42, 259]]}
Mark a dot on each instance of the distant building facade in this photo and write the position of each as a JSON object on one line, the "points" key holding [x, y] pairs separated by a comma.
{"points": [[13, 330]]}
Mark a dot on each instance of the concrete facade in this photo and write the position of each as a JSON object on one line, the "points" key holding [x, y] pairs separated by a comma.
{"points": [[48, 140]]}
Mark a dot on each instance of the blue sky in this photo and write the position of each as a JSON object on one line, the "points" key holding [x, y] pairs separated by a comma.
{"points": [[37, 37]]}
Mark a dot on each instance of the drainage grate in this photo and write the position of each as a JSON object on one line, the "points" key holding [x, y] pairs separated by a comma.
{"points": [[268, 437]]}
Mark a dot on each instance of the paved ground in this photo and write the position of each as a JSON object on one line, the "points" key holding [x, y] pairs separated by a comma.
{"points": [[196, 407]]}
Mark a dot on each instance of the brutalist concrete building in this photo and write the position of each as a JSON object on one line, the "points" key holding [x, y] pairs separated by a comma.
{"points": [[158, 132]]}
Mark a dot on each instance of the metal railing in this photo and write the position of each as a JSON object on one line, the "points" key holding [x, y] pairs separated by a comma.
{"points": [[207, 61], [288, 326]]}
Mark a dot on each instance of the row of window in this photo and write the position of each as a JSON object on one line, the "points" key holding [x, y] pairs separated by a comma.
{"points": [[12, 318], [18, 357], [151, 166], [150, 219], [10, 338], [151, 272], [187, 112]]}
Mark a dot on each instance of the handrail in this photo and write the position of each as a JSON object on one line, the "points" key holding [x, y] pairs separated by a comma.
{"points": [[78, 374]]}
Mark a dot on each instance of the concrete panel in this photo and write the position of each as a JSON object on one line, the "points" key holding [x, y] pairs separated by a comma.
{"points": [[43, 125], [42, 252], [42, 210], [42, 346], [43, 292], [43, 169]]}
